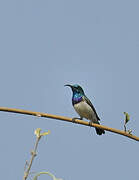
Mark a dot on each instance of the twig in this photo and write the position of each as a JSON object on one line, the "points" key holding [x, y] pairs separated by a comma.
{"points": [[125, 127], [39, 114], [33, 154]]}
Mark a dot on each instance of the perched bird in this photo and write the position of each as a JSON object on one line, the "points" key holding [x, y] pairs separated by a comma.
{"points": [[84, 107]]}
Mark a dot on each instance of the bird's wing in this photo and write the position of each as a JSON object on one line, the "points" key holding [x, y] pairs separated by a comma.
{"points": [[90, 104]]}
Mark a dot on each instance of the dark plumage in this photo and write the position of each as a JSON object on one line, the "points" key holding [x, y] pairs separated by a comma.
{"points": [[84, 107]]}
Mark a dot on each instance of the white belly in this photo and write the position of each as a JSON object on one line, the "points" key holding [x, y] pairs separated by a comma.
{"points": [[85, 111]]}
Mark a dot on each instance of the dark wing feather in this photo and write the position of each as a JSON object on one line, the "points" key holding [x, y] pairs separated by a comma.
{"points": [[90, 104]]}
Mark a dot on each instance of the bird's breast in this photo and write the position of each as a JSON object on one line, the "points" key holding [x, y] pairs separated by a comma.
{"points": [[76, 99], [84, 110]]}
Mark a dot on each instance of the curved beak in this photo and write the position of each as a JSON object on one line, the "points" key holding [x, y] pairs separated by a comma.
{"points": [[68, 85]]}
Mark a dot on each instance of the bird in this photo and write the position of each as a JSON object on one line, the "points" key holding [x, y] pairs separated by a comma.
{"points": [[84, 107]]}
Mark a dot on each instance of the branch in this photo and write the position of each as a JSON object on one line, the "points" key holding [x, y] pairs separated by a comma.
{"points": [[33, 154], [39, 114]]}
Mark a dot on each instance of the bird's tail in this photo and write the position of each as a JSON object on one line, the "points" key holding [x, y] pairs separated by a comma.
{"points": [[99, 131]]}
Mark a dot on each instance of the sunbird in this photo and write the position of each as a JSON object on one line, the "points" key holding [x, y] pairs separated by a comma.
{"points": [[84, 107]]}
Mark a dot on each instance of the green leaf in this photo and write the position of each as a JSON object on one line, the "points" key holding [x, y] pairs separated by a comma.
{"points": [[127, 117], [38, 133]]}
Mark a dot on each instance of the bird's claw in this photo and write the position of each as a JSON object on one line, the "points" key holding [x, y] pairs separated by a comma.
{"points": [[90, 123], [73, 119]]}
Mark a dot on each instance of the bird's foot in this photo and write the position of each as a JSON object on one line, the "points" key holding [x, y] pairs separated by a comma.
{"points": [[90, 123], [73, 119]]}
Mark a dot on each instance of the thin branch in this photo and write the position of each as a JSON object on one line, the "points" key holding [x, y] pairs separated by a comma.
{"points": [[125, 127], [33, 154], [39, 114]]}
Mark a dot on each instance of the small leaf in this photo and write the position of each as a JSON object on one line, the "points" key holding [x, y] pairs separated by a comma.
{"points": [[130, 131], [45, 133], [127, 117], [37, 132]]}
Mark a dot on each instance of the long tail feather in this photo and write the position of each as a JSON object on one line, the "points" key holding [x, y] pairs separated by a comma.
{"points": [[100, 131]]}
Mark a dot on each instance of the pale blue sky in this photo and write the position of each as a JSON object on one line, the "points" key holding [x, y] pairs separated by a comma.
{"points": [[45, 44]]}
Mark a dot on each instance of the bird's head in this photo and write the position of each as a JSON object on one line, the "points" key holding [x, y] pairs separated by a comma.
{"points": [[76, 89]]}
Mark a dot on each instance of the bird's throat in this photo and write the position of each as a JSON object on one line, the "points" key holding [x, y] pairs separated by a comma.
{"points": [[76, 98]]}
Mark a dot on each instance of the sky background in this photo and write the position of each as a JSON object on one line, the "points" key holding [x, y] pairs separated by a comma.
{"points": [[45, 44]]}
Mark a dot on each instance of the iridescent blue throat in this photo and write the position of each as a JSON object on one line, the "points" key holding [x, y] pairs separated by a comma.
{"points": [[76, 98]]}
